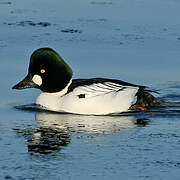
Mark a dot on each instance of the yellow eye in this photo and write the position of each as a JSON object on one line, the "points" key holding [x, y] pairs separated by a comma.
{"points": [[42, 71]]}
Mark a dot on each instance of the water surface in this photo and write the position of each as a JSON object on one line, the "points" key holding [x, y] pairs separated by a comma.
{"points": [[134, 40]]}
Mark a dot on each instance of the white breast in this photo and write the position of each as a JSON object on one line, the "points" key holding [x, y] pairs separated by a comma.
{"points": [[97, 99]]}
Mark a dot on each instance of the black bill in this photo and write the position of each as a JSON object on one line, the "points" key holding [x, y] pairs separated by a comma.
{"points": [[26, 83]]}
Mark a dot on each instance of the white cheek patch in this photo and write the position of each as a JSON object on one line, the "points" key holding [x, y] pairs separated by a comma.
{"points": [[37, 79]]}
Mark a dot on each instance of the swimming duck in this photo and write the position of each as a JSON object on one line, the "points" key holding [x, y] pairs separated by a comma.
{"points": [[97, 96]]}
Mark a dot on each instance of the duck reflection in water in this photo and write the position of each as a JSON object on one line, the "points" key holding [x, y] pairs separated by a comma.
{"points": [[88, 124], [55, 129]]}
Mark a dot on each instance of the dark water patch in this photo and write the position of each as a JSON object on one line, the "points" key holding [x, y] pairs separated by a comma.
{"points": [[6, 3], [71, 31], [29, 107], [142, 121], [101, 3], [2, 44], [8, 177], [171, 96], [132, 37], [29, 23], [45, 140], [164, 113], [94, 21], [167, 163], [120, 43], [164, 135], [165, 29], [176, 86]]}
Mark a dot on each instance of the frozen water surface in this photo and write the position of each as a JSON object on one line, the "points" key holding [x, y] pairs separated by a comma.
{"points": [[134, 40]]}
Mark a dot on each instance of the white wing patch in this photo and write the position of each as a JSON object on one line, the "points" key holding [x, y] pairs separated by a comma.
{"points": [[99, 89]]}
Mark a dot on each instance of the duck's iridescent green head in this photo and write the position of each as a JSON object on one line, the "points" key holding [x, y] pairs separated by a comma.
{"points": [[47, 71]]}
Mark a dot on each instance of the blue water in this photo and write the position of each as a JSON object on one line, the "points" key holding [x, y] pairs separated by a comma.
{"points": [[134, 40]]}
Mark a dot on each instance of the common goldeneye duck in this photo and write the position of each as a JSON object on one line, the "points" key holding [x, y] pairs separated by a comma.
{"points": [[97, 96]]}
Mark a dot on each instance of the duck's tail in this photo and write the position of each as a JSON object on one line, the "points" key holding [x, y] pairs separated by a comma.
{"points": [[146, 99]]}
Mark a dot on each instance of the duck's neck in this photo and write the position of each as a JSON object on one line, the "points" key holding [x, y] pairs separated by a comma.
{"points": [[60, 93]]}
